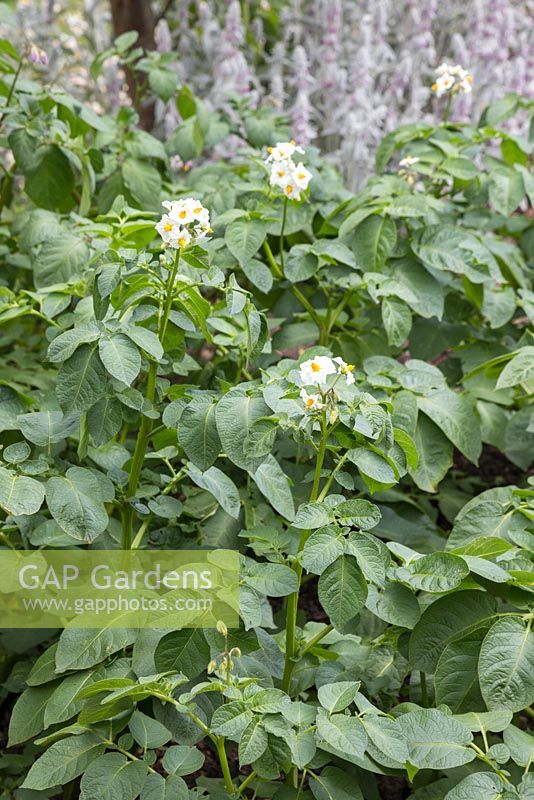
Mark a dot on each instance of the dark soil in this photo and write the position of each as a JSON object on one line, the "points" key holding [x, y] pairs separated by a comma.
{"points": [[493, 469], [392, 788]]}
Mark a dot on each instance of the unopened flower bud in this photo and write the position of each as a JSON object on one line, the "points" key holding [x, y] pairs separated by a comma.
{"points": [[236, 652], [211, 666], [221, 628], [34, 54]]}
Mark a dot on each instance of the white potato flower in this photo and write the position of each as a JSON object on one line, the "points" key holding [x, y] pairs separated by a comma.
{"points": [[452, 78], [300, 176], [291, 178], [345, 369], [408, 161], [312, 402], [186, 222], [316, 370], [284, 151]]}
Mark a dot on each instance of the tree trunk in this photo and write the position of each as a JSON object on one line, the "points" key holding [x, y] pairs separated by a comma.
{"points": [[136, 15]]}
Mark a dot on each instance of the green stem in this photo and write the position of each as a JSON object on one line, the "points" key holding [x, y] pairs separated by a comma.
{"points": [[529, 712], [295, 291], [248, 780], [293, 600], [447, 108], [146, 424], [317, 638], [11, 89], [282, 230], [223, 759]]}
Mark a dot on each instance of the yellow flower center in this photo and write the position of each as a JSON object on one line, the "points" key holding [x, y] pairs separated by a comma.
{"points": [[289, 189], [167, 227], [281, 173], [292, 142], [309, 402], [270, 149], [315, 367], [183, 214], [434, 86], [182, 241], [197, 210], [301, 176]]}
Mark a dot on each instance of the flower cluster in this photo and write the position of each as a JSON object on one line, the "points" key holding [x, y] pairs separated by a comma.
{"points": [[406, 170], [285, 174], [454, 79], [315, 372], [186, 222], [37, 56]]}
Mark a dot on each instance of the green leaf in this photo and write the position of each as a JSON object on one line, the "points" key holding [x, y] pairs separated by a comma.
{"points": [[27, 716], [372, 465], [395, 604], [253, 742], [435, 455], [113, 777], [197, 432], [521, 746], [397, 319], [235, 415], [81, 380], [63, 761], [435, 741], [148, 732], [337, 696], [64, 345], [321, 549], [312, 515], [303, 747], [479, 786], [80, 648], [373, 241], [342, 590], [437, 572], [76, 503], [335, 784], [61, 259], [453, 249], [506, 665], [371, 554], [146, 340], [19, 495], [49, 179], [244, 238], [445, 619], [456, 678], [63, 703], [183, 651], [220, 486], [274, 485], [156, 787], [519, 370], [104, 420], [231, 720], [163, 83], [143, 181], [273, 580], [182, 760], [120, 357], [454, 414], [46, 428], [358, 513], [345, 734]]}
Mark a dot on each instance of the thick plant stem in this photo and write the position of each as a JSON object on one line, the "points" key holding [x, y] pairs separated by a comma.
{"points": [[223, 760], [282, 231], [293, 600], [146, 424]]}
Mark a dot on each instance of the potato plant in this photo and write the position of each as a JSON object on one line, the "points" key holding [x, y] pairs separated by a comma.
{"points": [[338, 386]]}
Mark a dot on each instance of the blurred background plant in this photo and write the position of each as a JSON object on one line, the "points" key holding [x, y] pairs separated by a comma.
{"points": [[346, 73]]}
